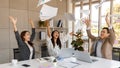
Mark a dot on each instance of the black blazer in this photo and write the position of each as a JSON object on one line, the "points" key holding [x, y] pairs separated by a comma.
{"points": [[23, 47]]}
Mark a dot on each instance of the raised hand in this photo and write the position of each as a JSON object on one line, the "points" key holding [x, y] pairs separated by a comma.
{"points": [[107, 20], [87, 22], [31, 23], [14, 20], [72, 33]]}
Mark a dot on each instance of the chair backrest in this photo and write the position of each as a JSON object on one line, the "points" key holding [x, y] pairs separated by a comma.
{"points": [[16, 52], [44, 50]]}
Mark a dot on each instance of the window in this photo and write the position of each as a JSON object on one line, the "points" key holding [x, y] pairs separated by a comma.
{"points": [[116, 21], [94, 20]]}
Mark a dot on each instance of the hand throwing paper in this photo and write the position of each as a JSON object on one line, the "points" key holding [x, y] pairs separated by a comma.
{"points": [[47, 12], [69, 17], [40, 2]]}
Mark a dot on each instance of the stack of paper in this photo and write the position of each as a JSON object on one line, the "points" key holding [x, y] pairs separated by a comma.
{"points": [[47, 12], [69, 17], [69, 63], [42, 2]]}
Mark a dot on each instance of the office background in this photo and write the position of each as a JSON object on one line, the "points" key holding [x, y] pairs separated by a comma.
{"points": [[23, 10]]}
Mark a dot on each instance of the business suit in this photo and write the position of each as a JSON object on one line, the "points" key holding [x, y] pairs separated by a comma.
{"points": [[106, 49], [23, 47]]}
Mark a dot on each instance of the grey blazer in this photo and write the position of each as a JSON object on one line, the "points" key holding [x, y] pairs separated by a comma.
{"points": [[24, 50]]}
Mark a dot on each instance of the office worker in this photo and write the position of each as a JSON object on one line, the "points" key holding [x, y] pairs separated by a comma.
{"points": [[102, 46], [55, 42], [25, 45]]}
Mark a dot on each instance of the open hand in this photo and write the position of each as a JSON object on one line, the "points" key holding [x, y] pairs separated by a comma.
{"points": [[14, 20], [72, 33], [107, 20], [87, 22], [31, 23]]}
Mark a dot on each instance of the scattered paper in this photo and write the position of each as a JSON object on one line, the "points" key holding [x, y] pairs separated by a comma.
{"points": [[69, 63], [69, 17], [87, 12], [47, 12], [40, 2], [99, 5]]}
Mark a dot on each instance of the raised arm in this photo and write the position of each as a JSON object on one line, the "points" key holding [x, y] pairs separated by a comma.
{"points": [[87, 22], [14, 21], [111, 30], [18, 38], [48, 29], [33, 30]]}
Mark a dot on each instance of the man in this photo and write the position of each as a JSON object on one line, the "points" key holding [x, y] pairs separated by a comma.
{"points": [[102, 45]]}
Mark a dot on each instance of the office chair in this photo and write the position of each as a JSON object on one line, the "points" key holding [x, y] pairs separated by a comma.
{"points": [[44, 50], [16, 53]]}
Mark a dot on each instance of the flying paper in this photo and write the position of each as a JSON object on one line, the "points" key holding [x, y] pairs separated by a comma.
{"points": [[69, 17], [47, 12], [87, 12], [97, 6], [40, 2]]}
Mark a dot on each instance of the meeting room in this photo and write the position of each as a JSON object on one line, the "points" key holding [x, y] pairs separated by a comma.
{"points": [[59, 33]]}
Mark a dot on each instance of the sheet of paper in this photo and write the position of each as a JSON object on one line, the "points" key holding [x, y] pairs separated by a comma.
{"points": [[66, 64], [48, 12], [40, 2], [87, 12], [69, 17], [99, 5]]}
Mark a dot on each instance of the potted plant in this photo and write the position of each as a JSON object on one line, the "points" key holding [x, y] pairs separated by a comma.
{"points": [[78, 42], [41, 23]]}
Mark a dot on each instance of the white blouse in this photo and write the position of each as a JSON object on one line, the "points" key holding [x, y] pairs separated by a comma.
{"points": [[53, 51], [31, 51]]}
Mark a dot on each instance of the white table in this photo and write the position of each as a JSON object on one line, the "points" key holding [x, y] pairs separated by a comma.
{"points": [[101, 63]]}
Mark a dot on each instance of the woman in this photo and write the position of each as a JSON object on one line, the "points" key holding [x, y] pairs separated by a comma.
{"points": [[54, 42], [24, 41]]}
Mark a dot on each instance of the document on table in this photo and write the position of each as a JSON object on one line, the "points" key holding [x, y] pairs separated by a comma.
{"points": [[48, 12], [68, 63]]}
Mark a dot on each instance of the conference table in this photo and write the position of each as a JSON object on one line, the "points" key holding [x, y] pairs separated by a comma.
{"points": [[41, 63]]}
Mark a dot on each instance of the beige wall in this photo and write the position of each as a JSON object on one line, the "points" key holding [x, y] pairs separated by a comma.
{"points": [[23, 10]]}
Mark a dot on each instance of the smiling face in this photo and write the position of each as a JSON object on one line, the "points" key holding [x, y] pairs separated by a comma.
{"points": [[104, 33], [25, 35], [55, 34]]}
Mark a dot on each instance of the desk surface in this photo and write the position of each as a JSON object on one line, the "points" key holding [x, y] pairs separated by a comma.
{"points": [[101, 63]]}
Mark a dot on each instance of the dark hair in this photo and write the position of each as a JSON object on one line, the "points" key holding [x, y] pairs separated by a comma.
{"points": [[22, 37], [106, 29], [58, 40]]}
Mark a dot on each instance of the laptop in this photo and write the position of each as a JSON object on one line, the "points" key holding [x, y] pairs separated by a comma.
{"points": [[66, 52], [83, 56]]}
